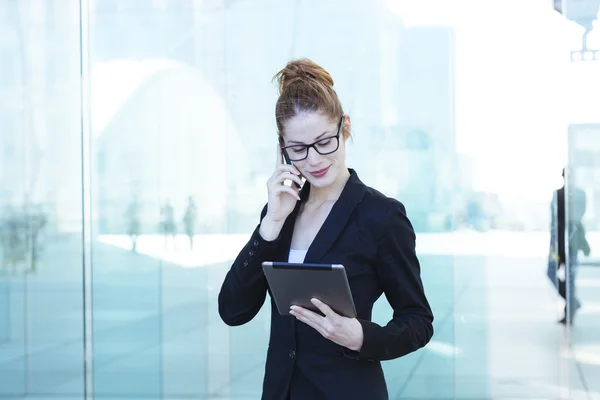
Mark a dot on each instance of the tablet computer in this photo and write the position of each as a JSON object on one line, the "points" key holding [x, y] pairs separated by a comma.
{"points": [[295, 284]]}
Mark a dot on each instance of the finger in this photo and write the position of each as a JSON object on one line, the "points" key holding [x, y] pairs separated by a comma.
{"points": [[325, 309], [301, 317], [311, 323], [282, 168], [309, 317], [286, 167], [289, 190], [287, 175], [317, 320], [309, 314], [277, 178]]}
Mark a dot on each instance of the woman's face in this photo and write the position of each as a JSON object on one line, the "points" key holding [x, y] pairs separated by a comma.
{"points": [[321, 170]]}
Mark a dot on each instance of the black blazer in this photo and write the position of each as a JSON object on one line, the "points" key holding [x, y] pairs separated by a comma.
{"points": [[577, 236], [372, 237]]}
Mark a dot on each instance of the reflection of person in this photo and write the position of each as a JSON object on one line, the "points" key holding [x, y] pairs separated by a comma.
{"points": [[37, 222], [168, 221], [189, 220], [133, 218], [334, 218], [9, 234], [475, 213], [13, 243], [577, 242]]}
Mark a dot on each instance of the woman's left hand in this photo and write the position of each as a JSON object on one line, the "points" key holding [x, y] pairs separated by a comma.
{"points": [[346, 332]]}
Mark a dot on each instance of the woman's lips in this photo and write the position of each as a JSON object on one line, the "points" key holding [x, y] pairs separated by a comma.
{"points": [[320, 173]]}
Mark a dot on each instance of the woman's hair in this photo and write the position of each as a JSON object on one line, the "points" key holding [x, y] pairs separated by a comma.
{"points": [[305, 86]]}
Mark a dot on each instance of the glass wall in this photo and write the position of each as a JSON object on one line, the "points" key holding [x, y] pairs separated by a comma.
{"points": [[41, 301], [582, 272], [136, 140]]}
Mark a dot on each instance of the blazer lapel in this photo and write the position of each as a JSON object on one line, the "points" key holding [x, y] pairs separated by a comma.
{"points": [[337, 219]]}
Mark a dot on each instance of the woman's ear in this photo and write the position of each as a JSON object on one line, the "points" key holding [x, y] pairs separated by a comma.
{"points": [[346, 132]]}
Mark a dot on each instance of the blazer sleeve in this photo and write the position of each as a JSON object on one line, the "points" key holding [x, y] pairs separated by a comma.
{"points": [[399, 274], [245, 287]]}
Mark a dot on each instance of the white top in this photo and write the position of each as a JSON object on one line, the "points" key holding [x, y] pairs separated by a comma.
{"points": [[297, 256]]}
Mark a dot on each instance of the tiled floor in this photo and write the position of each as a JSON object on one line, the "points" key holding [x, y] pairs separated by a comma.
{"points": [[157, 330]]}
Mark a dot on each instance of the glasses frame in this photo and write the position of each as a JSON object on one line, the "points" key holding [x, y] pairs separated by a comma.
{"points": [[313, 145]]}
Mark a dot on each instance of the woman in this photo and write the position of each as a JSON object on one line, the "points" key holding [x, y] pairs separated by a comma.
{"points": [[333, 218]]}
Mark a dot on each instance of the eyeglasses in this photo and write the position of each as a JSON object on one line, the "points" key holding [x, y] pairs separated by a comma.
{"points": [[324, 146]]}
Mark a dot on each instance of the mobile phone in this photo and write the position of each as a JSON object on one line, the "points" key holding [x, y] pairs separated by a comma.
{"points": [[286, 158]]}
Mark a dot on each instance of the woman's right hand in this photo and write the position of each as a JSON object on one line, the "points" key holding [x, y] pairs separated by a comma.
{"points": [[281, 198]]}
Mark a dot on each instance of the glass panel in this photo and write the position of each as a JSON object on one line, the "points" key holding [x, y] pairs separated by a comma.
{"points": [[128, 249], [41, 318], [417, 123], [12, 331], [12, 270], [508, 344], [154, 161], [427, 373], [192, 175], [582, 282]]}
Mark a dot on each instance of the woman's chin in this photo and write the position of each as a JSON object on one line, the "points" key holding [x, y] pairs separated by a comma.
{"points": [[324, 181]]}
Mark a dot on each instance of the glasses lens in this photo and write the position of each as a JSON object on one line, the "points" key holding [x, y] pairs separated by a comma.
{"points": [[297, 153], [327, 145]]}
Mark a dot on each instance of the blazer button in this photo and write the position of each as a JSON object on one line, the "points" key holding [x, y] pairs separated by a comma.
{"points": [[245, 263], [251, 253], [292, 354], [255, 243]]}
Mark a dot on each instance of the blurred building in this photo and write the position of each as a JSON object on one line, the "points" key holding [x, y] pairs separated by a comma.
{"points": [[400, 97], [161, 132]]}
